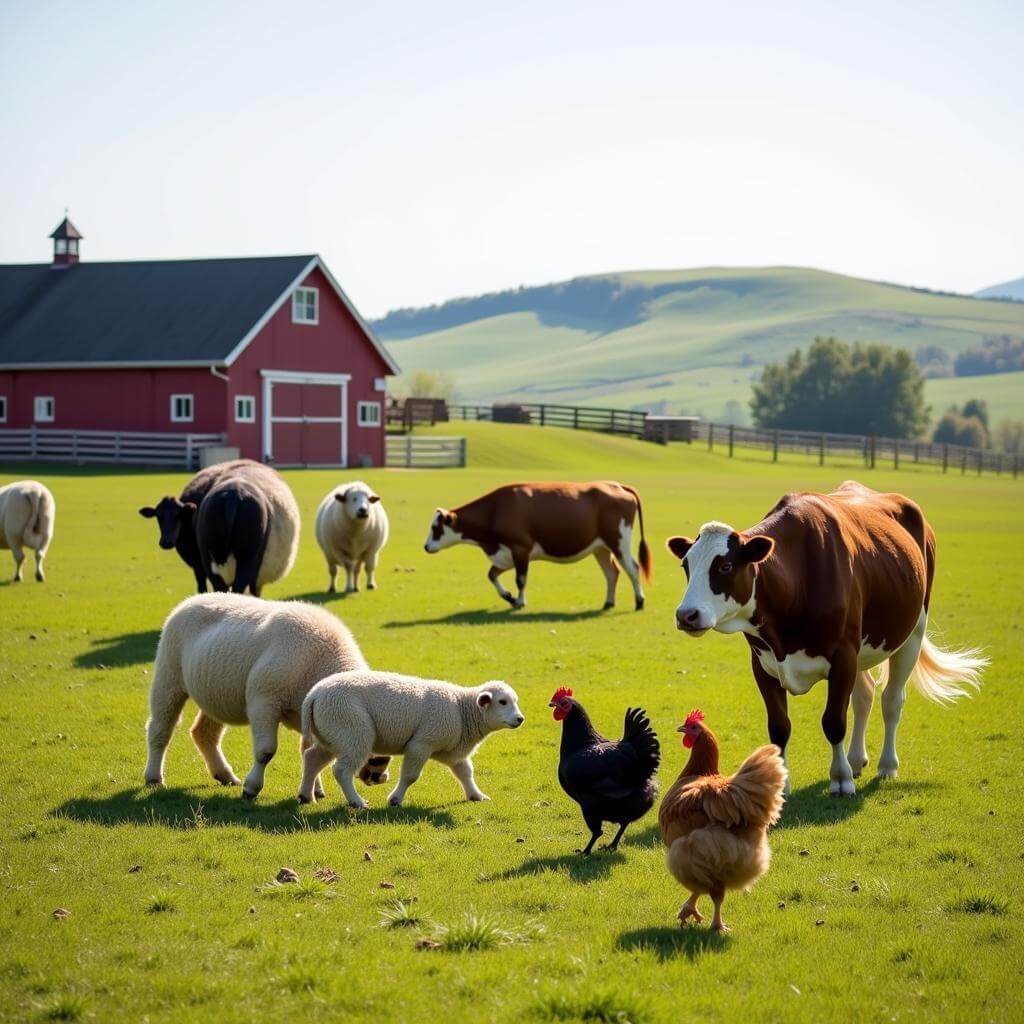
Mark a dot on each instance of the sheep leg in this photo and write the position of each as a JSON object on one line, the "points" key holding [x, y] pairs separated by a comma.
{"points": [[371, 570], [463, 771], [40, 555], [332, 569], [19, 557], [611, 574], [206, 734], [413, 760], [345, 769], [314, 760], [351, 580], [318, 786], [263, 721], [164, 710]]}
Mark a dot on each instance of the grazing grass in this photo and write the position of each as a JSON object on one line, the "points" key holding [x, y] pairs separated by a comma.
{"points": [[903, 902]]}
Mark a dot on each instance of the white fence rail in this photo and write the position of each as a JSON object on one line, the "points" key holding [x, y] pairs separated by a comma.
{"points": [[411, 452], [130, 447]]}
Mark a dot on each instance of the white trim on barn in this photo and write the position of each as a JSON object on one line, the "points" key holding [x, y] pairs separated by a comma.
{"points": [[272, 377]]}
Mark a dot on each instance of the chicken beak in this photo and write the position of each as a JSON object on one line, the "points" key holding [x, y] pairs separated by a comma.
{"points": [[552, 704], [681, 728]]}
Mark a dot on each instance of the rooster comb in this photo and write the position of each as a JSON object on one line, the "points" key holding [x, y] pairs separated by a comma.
{"points": [[695, 716], [562, 691]]}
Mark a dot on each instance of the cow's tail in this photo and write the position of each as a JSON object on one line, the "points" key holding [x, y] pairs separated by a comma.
{"points": [[643, 555], [40, 527], [943, 676]]}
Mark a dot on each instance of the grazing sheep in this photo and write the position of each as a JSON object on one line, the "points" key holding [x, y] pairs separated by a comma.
{"points": [[27, 511], [243, 660], [352, 715], [351, 529], [247, 528]]}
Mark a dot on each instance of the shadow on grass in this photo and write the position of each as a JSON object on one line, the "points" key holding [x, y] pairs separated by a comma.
{"points": [[812, 805], [114, 651], [502, 616], [185, 810], [667, 943], [577, 867], [318, 596]]}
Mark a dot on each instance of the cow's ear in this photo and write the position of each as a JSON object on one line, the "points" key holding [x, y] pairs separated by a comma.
{"points": [[484, 698], [341, 496], [148, 512], [756, 549], [679, 546], [374, 498], [189, 507], [449, 518]]}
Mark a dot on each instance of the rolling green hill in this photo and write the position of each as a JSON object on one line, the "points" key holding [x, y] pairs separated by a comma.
{"points": [[683, 340]]}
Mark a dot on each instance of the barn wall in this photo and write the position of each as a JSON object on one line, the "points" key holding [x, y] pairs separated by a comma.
{"points": [[116, 399], [335, 345]]}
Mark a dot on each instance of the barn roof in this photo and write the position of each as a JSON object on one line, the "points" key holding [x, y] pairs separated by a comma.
{"points": [[162, 312]]}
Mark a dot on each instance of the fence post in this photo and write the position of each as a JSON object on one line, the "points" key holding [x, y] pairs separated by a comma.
{"points": [[896, 454], [732, 429], [775, 446], [613, 422], [543, 415], [981, 456], [711, 437], [916, 447], [874, 448], [408, 451], [945, 458], [999, 464], [188, 451], [821, 450], [963, 462], [1014, 465], [34, 448], [462, 453]]}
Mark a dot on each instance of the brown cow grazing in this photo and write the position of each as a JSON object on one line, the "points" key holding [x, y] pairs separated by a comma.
{"points": [[554, 522], [828, 586]]}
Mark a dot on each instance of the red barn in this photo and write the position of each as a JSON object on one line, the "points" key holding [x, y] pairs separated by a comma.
{"points": [[268, 352]]}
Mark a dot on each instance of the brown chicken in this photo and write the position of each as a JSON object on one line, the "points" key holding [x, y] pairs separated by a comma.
{"points": [[716, 828]]}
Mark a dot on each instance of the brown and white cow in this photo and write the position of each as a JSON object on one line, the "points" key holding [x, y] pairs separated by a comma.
{"points": [[554, 522], [828, 586]]}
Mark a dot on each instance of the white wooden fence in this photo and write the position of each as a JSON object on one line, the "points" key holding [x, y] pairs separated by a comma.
{"points": [[131, 447], [411, 452]]}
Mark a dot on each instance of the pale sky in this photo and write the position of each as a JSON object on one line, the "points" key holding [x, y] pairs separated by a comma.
{"points": [[433, 149]]}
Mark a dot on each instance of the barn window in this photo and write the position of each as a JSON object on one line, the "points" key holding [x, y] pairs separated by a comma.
{"points": [[369, 414], [3, 408], [245, 409], [45, 407], [305, 306], [182, 408]]}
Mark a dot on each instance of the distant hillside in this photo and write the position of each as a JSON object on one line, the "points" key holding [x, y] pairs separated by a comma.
{"points": [[1006, 290], [675, 340]]}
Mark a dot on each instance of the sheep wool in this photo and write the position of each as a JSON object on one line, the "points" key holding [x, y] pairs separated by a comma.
{"points": [[243, 660], [352, 715], [351, 529], [27, 513]]}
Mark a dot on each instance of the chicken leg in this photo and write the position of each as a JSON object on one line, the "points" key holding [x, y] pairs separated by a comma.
{"points": [[689, 909], [718, 898]]}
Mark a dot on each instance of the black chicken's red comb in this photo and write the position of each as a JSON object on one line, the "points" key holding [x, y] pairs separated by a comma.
{"points": [[562, 691], [695, 716]]}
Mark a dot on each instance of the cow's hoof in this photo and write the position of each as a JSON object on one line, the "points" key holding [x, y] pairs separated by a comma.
{"points": [[154, 783], [228, 780], [332, 589], [639, 604], [371, 586], [842, 787], [887, 773], [249, 794], [607, 605], [509, 599]]}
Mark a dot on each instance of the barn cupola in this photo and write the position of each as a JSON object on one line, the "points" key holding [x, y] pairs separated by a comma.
{"points": [[66, 239]]}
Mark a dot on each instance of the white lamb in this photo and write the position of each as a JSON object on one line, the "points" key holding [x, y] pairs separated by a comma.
{"points": [[351, 529], [27, 512], [242, 660], [352, 715]]}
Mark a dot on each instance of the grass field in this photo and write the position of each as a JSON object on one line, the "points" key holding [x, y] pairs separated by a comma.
{"points": [[901, 904]]}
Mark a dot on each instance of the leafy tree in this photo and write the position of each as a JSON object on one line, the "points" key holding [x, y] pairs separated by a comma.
{"points": [[998, 353], [1010, 436], [862, 389], [428, 384], [934, 361], [978, 408], [955, 428]]}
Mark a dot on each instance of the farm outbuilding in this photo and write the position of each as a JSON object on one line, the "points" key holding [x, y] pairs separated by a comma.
{"points": [[266, 354]]}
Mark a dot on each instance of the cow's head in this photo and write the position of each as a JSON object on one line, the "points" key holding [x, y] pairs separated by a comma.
{"points": [[171, 516], [720, 566], [443, 533], [356, 500]]}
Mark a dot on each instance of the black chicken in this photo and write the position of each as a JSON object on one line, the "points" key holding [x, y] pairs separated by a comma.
{"points": [[610, 780]]}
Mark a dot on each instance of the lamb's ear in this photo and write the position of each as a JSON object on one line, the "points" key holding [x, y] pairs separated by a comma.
{"points": [[148, 512], [679, 546], [484, 698], [343, 497], [374, 498], [756, 548]]}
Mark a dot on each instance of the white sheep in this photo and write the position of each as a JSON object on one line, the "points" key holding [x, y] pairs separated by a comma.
{"points": [[242, 660], [27, 512], [351, 529], [351, 715]]}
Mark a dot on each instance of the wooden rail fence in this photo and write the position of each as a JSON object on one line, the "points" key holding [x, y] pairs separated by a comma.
{"points": [[628, 422], [129, 447], [410, 451]]}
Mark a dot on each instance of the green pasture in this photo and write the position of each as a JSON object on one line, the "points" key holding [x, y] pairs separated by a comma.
{"points": [[902, 904]]}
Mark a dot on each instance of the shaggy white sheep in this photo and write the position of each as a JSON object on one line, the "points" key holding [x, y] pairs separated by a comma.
{"points": [[351, 529], [27, 512], [242, 660], [351, 715]]}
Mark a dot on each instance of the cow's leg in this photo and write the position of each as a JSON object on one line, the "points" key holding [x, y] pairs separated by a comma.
{"points": [[842, 675], [521, 563], [776, 702], [901, 664], [862, 700], [492, 574], [245, 575], [206, 735], [611, 574], [263, 722], [628, 562], [332, 568], [19, 557], [371, 570], [318, 786], [200, 576]]}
